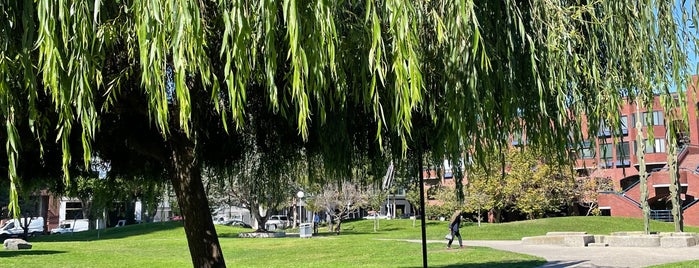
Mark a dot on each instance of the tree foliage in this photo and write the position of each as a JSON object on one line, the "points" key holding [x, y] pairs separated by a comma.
{"points": [[340, 200], [351, 78], [529, 182], [587, 190]]}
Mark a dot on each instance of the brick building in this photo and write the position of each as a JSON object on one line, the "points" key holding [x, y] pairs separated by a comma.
{"points": [[619, 163]]}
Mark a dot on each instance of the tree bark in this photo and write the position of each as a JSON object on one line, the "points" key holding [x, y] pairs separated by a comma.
{"points": [[423, 232], [261, 219], [185, 176], [675, 186]]}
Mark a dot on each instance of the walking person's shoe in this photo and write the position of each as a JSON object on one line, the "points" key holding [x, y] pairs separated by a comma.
{"points": [[462, 247], [448, 248]]}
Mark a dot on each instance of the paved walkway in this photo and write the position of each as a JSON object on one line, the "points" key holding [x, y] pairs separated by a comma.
{"points": [[591, 256]]}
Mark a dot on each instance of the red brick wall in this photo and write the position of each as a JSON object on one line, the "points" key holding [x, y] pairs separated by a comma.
{"points": [[691, 215], [635, 192], [620, 207]]}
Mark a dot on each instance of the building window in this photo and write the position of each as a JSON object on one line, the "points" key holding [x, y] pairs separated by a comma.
{"points": [[603, 130], [655, 117], [624, 120], [586, 152], [654, 146], [448, 172], [659, 146], [622, 151], [74, 210], [606, 155], [623, 154]]}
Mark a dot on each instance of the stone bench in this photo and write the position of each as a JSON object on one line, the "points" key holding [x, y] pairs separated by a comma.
{"points": [[576, 240], [566, 233], [633, 240]]}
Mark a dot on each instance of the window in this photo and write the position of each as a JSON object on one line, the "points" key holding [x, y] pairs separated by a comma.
{"points": [[448, 173], [586, 152], [603, 129], [518, 139], [624, 121], [606, 155], [659, 146], [622, 151], [655, 117], [623, 156], [606, 152], [74, 210], [655, 146]]}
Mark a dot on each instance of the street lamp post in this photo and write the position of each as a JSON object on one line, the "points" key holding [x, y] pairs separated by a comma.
{"points": [[300, 195]]}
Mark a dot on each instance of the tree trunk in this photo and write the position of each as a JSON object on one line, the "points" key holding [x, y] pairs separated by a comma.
{"points": [[87, 214], [642, 173], [185, 176], [675, 187], [337, 227], [261, 219], [423, 232]]}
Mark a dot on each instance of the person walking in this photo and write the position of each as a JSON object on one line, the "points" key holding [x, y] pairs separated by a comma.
{"points": [[316, 222], [454, 226]]}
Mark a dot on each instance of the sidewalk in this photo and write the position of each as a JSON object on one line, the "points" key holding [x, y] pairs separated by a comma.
{"points": [[594, 256], [586, 257]]}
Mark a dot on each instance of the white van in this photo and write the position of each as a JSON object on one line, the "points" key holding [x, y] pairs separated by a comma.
{"points": [[13, 227], [71, 226]]}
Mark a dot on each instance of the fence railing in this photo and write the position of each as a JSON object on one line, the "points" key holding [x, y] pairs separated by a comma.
{"points": [[661, 215]]}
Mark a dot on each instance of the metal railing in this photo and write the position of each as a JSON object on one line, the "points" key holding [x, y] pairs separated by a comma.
{"points": [[631, 200], [631, 186], [690, 204], [661, 215]]}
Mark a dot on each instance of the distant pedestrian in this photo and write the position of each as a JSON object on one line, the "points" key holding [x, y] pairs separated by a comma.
{"points": [[454, 226], [316, 222]]}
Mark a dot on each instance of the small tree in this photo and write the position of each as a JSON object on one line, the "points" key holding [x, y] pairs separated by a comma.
{"points": [[376, 197], [587, 190], [475, 202], [339, 201]]}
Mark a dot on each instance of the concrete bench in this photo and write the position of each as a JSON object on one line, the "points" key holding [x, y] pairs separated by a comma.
{"points": [[632, 240], [560, 240], [566, 233]]}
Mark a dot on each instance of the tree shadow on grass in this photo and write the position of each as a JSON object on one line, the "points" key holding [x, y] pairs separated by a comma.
{"points": [[15, 253], [110, 233], [505, 264], [296, 235]]}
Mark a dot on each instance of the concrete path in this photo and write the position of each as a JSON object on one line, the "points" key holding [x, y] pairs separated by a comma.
{"points": [[595, 256], [591, 256]]}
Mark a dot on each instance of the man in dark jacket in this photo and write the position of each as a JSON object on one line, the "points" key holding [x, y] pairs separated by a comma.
{"points": [[454, 229]]}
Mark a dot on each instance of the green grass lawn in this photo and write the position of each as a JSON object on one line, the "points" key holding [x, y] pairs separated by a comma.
{"points": [[165, 245]]}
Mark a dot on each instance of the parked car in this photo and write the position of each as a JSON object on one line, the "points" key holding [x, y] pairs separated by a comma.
{"points": [[71, 226], [13, 227], [237, 223], [278, 222]]}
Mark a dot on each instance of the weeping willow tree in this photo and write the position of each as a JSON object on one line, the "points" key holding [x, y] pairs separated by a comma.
{"points": [[172, 77]]}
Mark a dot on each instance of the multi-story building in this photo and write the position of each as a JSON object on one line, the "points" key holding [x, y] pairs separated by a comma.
{"points": [[618, 162]]}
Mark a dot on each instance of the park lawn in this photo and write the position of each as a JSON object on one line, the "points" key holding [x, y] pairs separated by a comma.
{"points": [[684, 264], [165, 245], [435, 230]]}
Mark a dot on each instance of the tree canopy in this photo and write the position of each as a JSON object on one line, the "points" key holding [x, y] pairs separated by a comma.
{"points": [[164, 87]]}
